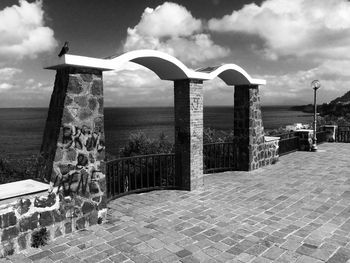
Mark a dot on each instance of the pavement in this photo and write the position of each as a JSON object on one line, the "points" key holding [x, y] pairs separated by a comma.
{"points": [[297, 210]]}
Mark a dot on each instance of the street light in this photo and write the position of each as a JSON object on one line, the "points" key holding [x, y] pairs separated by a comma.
{"points": [[315, 85]]}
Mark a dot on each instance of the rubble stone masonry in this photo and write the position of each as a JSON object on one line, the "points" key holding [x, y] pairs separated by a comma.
{"points": [[252, 151], [72, 161]]}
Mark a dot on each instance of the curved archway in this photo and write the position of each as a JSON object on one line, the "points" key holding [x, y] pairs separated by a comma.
{"points": [[165, 66], [231, 74], [168, 67], [81, 77]]}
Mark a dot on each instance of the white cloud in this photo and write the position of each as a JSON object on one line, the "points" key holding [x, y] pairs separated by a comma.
{"points": [[334, 69], [295, 88], [217, 92], [314, 31], [171, 28], [5, 86], [23, 33], [8, 73], [16, 90], [19, 93], [168, 20], [299, 27], [135, 86], [7, 78]]}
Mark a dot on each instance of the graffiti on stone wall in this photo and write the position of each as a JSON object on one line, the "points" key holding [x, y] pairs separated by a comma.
{"points": [[79, 161], [196, 102]]}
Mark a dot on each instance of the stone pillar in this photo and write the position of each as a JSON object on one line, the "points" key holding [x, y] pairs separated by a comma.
{"points": [[73, 148], [305, 139], [331, 132], [248, 128], [188, 104]]}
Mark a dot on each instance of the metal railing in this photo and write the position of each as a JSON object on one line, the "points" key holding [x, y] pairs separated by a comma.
{"points": [[283, 136], [288, 145], [322, 136], [219, 157], [343, 134], [140, 174], [157, 171]]}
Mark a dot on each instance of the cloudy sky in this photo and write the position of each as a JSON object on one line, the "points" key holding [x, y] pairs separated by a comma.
{"points": [[288, 43]]}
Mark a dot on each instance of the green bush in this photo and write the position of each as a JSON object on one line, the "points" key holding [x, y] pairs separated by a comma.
{"points": [[15, 169], [140, 144], [211, 135], [40, 237]]}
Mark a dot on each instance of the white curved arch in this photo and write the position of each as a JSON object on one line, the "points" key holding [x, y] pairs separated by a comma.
{"points": [[164, 65], [232, 74]]}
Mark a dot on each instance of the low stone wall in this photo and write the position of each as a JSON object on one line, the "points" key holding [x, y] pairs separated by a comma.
{"points": [[60, 215], [72, 161], [271, 152], [267, 153]]}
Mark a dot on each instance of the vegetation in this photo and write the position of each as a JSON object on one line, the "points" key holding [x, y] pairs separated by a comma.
{"points": [[9, 249], [211, 135], [335, 112], [140, 144], [40, 237], [280, 130], [13, 169]]}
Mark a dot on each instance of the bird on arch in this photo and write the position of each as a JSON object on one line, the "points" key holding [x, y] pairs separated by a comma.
{"points": [[64, 49]]}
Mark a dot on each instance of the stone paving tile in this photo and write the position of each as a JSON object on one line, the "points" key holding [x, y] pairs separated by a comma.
{"points": [[273, 253], [306, 259], [40, 255], [297, 210]]}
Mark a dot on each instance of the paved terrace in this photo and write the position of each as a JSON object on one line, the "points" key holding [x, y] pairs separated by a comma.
{"points": [[295, 211]]}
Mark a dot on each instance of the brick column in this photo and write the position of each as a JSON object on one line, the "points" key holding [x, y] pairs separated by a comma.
{"points": [[248, 127], [188, 98], [73, 148]]}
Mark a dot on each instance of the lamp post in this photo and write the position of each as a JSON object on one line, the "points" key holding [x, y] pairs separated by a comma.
{"points": [[315, 85]]}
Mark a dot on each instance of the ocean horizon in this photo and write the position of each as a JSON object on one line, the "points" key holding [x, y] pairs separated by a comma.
{"points": [[21, 129]]}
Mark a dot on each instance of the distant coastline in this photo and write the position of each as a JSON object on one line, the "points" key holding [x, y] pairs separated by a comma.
{"points": [[309, 108]]}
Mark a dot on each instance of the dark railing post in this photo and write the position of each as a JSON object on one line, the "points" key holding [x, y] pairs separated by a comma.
{"points": [[147, 171], [343, 134]]}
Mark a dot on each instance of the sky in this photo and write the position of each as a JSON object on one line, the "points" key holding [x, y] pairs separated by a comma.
{"points": [[288, 43]]}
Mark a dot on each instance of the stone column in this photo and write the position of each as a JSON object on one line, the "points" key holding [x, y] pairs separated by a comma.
{"points": [[73, 148], [331, 132], [248, 127], [188, 104]]}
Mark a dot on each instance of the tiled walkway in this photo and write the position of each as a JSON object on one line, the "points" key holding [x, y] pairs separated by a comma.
{"points": [[297, 210]]}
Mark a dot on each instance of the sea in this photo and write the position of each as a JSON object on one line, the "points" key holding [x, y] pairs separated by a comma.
{"points": [[21, 129]]}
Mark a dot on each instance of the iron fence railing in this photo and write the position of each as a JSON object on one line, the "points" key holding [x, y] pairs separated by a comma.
{"points": [[219, 157], [288, 145], [139, 174], [283, 136], [322, 136], [157, 171], [343, 134]]}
